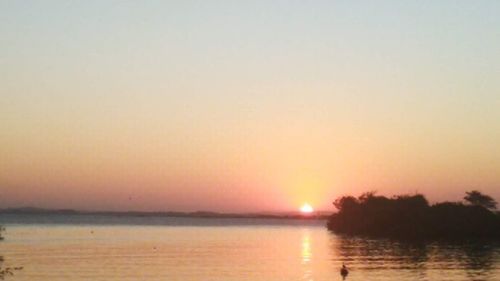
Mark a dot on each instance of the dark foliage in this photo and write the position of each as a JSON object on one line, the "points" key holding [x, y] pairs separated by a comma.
{"points": [[410, 217], [476, 198]]}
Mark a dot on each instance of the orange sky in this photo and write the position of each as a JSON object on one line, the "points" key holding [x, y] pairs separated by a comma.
{"points": [[251, 107]]}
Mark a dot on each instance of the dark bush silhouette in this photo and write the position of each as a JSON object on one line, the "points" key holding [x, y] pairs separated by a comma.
{"points": [[476, 198], [410, 217]]}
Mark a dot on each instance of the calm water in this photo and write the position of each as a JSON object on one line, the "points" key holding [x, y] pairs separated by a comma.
{"points": [[111, 248]]}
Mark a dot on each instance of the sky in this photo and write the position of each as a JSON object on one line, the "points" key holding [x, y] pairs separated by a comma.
{"points": [[246, 106]]}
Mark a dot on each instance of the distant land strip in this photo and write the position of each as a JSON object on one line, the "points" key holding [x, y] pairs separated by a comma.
{"points": [[195, 214]]}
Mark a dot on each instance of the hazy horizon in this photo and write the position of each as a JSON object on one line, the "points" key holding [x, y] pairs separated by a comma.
{"points": [[246, 106]]}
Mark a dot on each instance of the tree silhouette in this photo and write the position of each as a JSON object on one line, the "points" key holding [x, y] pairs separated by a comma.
{"points": [[411, 218], [476, 198]]}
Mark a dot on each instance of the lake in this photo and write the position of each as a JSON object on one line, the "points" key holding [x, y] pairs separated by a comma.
{"points": [[68, 247]]}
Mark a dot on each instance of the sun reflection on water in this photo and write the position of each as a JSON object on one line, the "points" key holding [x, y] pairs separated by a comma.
{"points": [[306, 248], [306, 255]]}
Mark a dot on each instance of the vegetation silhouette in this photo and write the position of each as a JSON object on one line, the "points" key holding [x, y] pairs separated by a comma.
{"points": [[411, 217], [476, 198]]}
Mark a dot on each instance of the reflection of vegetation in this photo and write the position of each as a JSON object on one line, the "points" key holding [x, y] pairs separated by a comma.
{"points": [[412, 218], [375, 254], [417, 260], [7, 271]]}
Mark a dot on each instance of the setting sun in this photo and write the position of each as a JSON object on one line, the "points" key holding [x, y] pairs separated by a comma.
{"points": [[306, 209]]}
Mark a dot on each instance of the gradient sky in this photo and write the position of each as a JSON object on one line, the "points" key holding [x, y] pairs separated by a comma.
{"points": [[246, 105]]}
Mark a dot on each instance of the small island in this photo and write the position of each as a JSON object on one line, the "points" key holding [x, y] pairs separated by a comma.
{"points": [[412, 218]]}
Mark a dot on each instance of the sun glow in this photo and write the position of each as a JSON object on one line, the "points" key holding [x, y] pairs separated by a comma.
{"points": [[306, 209]]}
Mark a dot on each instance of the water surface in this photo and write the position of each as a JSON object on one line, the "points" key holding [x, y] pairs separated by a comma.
{"points": [[135, 248]]}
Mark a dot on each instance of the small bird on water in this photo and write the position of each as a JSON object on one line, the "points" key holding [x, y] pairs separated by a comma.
{"points": [[344, 271]]}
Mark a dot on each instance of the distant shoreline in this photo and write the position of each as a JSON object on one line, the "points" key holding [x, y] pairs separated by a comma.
{"points": [[196, 214]]}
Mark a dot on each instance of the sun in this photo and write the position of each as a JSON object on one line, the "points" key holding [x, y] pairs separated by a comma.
{"points": [[306, 209]]}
